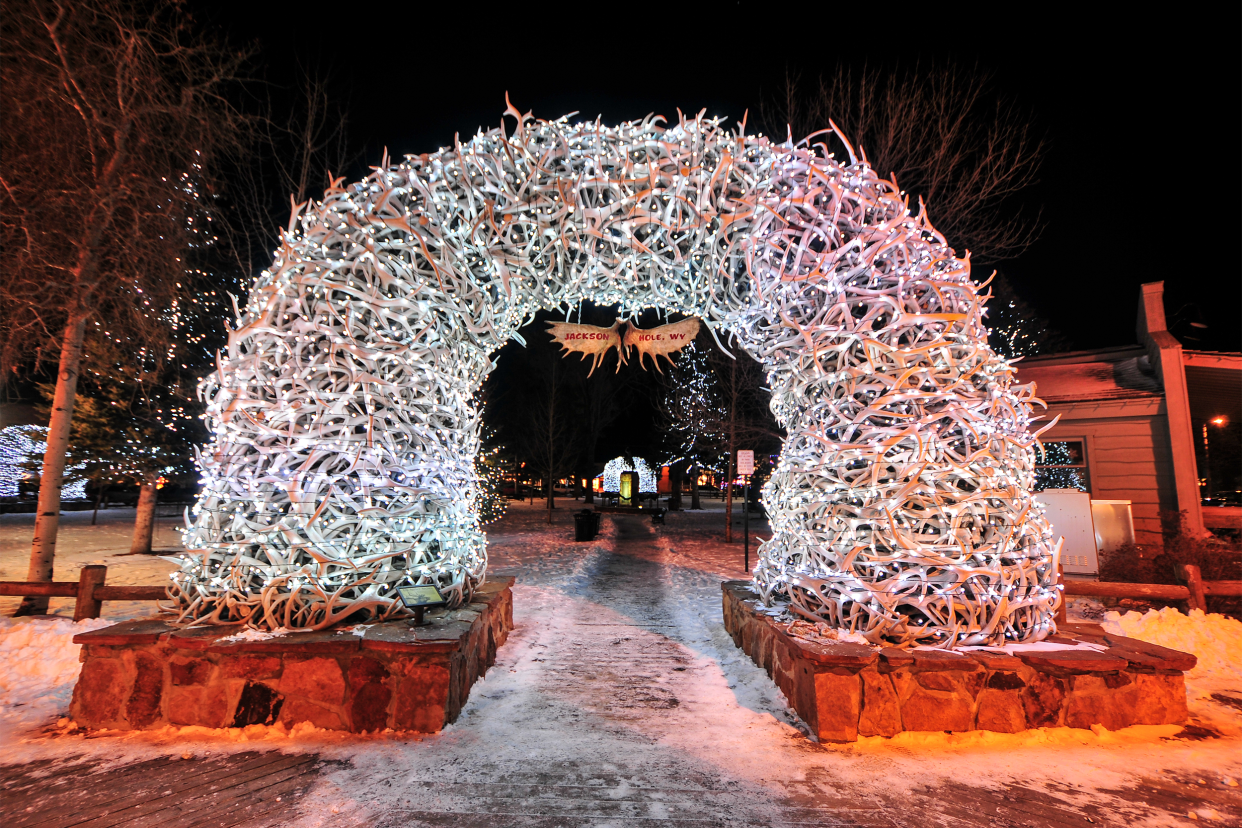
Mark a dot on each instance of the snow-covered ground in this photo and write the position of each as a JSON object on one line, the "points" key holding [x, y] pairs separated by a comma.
{"points": [[78, 544], [620, 695]]}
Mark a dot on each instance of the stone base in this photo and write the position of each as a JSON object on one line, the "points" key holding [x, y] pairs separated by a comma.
{"points": [[148, 674], [844, 690]]}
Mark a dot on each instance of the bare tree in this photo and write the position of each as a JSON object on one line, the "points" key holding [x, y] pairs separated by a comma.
{"points": [[745, 419], [535, 415], [116, 116], [301, 140], [944, 134], [550, 436]]}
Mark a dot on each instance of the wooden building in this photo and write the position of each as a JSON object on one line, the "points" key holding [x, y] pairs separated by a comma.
{"points": [[1131, 420]]}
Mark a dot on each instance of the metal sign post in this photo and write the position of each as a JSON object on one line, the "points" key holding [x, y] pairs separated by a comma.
{"points": [[745, 467]]}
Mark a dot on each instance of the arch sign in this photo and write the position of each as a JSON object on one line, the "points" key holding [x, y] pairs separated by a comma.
{"points": [[596, 342], [345, 425]]}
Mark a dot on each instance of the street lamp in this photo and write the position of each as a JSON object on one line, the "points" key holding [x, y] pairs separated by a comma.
{"points": [[1207, 457]]}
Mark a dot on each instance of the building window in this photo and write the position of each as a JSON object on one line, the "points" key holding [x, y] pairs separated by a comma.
{"points": [[1062, 465]]}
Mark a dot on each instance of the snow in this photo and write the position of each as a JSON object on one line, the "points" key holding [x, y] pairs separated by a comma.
{"points": [[256, 635], [40, 668], [40, 661], [620, 681], [78, 544], [1216, 640]]}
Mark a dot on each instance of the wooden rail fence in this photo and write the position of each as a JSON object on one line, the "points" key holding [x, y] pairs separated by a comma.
{"points": [[90, 591], [1194, 593]]}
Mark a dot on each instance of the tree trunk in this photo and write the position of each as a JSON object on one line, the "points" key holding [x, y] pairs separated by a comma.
{"points": [[729, 497], [694, 488], [551, 497], [95, 514], [47, 519], [144, 521], [674, 487]]}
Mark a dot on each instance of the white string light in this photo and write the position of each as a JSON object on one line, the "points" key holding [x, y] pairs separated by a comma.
{"points": [[22, 444], [345, 428]]}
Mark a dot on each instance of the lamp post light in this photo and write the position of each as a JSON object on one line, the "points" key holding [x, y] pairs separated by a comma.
{"points": [[1207, 457]]}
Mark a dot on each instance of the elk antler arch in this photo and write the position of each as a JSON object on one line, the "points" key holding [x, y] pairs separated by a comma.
{"points": [[345, 429]]}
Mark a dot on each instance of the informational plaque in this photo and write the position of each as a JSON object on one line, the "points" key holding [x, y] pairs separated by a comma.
{"points": [[746, 462], [420, 596]]}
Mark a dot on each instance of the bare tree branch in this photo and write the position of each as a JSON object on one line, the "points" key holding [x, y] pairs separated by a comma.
{"points": [[942, 133]]}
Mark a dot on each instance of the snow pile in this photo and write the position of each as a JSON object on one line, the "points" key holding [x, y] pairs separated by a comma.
{"points": [[1216, 640], [40, 668]]}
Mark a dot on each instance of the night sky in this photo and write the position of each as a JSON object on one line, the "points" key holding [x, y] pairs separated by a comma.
{"points": [[1142, 109]]}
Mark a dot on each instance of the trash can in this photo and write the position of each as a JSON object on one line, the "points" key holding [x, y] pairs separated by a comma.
{"points": [[584, 523], [594, 524]]}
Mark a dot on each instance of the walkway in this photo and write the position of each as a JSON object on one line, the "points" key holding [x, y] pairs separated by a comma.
{"points": [[251, 788], [614, 710]]}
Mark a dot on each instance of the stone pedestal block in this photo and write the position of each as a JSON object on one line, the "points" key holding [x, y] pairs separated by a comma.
{"points": [[148, 674], [844, 690]]}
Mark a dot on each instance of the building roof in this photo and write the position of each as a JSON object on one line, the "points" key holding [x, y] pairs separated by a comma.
{"points": [[1080, 376], [1213, 378]]}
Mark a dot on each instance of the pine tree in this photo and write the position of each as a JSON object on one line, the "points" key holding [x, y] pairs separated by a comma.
{"points": [[1015, 328], [489, 468]]}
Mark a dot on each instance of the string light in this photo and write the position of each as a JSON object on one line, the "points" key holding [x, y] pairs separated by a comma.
{"points": [[21, 453]]}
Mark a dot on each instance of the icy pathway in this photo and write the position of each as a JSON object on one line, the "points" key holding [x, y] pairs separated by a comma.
{"points": [[605, 712], [619, 700]]}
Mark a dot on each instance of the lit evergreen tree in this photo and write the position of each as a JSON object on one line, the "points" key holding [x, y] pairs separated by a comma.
{"points": [[1015, 328], [489, 468], [692, 414]]}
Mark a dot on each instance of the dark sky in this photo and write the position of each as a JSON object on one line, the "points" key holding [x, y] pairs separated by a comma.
{"points": [[1142, 108]]}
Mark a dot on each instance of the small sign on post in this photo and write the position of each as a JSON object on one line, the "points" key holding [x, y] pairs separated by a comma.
{"points": [[746, 462], [745, 467], [419, 598]]}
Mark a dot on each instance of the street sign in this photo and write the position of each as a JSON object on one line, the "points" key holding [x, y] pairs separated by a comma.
{"points": [[746, 467], [746, 462]]}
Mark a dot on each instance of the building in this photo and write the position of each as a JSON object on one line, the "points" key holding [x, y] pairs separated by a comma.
{"points": [[1132, 420]]}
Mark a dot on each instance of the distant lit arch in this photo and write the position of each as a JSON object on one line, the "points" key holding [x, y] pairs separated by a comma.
{"points": [[648, 478]]}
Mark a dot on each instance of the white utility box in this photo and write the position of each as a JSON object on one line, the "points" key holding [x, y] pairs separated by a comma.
{"points": [[1069, 512]]}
